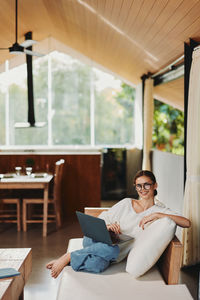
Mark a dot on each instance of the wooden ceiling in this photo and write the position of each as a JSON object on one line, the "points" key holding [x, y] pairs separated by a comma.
{"points": [[128, 37], [171, 93]]}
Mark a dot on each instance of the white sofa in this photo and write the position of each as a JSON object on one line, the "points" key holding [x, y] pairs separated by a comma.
{"points": [[115, 283]]}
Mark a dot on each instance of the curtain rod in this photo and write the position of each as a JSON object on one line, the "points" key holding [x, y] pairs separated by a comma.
{"points": [[168, 67]]}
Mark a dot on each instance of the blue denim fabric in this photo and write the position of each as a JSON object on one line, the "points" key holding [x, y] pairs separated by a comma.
{"points": [[95, 257]]}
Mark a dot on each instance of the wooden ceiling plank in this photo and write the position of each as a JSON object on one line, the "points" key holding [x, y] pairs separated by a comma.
{"points": [[72, 32], [160, 9], [147, 23], [7, 24], [132, 15], [71, 26], [174, 52], [81, 15], [157, 19], [116, 11], [101, 7], [55, 18], [112, 61], [191, 17], [160, 17], [94, 23], [171, 25], [152, 6], [86, 16], [191, 31], [92, 3], [118, 48], [103, 24], [110, 27], [101, 42], [108, 9], [145, 10], [168, 42], [124, 12]]}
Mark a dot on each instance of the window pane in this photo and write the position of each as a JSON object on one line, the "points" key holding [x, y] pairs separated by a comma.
{"points": [[18, 104], [2, 109], [40, 77], [114, 108], [70, 101]]}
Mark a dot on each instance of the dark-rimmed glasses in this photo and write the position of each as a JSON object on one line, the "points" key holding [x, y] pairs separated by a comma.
{"points": [[146, 186]]}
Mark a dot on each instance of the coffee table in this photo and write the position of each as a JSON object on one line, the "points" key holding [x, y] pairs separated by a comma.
{"points": [[21, 260]]}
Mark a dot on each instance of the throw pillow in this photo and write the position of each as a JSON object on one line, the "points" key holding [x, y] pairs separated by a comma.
{"points": [[149, 246]]}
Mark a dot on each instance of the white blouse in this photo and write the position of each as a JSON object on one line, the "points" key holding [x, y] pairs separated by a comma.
{"points": [[124, 214]]}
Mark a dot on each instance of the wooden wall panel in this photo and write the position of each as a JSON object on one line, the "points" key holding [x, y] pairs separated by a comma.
{"points": [[81, 176]]}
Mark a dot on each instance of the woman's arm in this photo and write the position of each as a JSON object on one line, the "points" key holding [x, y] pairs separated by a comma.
{"points": [[180, 221]]}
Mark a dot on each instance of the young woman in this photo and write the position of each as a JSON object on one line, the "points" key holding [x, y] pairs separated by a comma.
{"points": [[128, 216]]}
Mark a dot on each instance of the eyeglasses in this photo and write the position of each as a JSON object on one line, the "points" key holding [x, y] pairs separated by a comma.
{"points": [[146, 186]]}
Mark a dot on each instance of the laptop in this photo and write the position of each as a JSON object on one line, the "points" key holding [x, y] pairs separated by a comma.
{"points": [[96, 229]]}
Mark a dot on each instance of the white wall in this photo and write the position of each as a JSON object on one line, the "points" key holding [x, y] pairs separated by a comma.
{"points": [[169, 171]]}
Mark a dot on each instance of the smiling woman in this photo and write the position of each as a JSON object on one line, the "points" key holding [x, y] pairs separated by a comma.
{"points": [[146, 185], [130, 217]]}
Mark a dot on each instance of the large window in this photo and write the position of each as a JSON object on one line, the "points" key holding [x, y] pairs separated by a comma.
{"points": [[80, 105]]}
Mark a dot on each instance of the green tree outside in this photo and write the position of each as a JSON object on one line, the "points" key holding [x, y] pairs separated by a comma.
{"points": [[168, 128]]}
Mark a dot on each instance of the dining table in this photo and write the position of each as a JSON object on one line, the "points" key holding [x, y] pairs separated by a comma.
{"points": [[33, 181]]}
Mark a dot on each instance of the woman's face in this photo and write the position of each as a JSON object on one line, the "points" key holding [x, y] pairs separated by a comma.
{"points": [[145, 187]]}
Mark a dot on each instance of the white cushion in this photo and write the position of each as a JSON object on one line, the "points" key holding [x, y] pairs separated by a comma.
{"points": [[150, 245]]}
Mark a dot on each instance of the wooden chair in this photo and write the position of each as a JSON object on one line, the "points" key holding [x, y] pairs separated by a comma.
{"points": [[7, 212], [54, 216]]}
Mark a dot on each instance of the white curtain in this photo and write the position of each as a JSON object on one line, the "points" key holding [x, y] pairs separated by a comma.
{"points": [[191, 236], [138, 111], [148, 123]]}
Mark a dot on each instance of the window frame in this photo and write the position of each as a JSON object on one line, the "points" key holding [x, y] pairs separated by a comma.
{"points": [[50, 147]]}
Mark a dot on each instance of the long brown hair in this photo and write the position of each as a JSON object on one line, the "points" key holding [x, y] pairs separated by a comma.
{"points": [[147, 174]]}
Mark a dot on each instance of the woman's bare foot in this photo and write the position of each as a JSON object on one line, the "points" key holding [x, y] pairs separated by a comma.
{"points": [[50, 264], [56, 266]]}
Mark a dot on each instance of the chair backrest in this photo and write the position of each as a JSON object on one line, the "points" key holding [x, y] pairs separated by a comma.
{"points": [[57, 189]]}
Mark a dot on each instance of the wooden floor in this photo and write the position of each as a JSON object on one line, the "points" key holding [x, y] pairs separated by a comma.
{"points": [[40, 284]]}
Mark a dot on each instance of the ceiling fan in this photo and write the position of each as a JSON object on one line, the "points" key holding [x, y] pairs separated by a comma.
{"points": [[17, 48]]}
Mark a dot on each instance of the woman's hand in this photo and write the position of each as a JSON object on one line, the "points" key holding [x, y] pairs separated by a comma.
{"points": [[115, 227], [149, 218], [179, 220]]}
